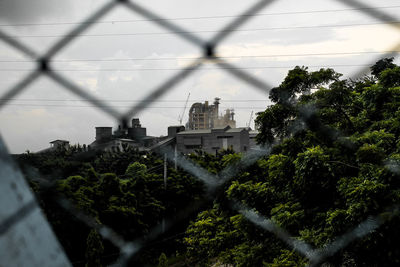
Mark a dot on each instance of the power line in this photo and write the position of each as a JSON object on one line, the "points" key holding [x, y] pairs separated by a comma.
{"points": [[205, 31], [124, 100], [197, 18], [177, 69], [193, 58], [92, 106], [172, 19]]}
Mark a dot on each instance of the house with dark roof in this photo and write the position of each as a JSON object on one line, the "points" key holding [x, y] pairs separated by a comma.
{"points": [[54, 145], [59, 143]]}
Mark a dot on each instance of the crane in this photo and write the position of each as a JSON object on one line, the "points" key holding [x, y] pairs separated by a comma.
{"points": [[251, 117], [180, 118]]}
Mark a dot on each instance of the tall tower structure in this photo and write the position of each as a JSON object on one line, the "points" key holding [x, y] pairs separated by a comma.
{"points": [[206, 116]]}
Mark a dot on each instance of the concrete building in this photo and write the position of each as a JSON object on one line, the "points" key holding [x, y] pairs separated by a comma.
{"points": [[252, 139], [55, 145], [169, 142], [208, 140], [174, 130], [59, 143], [134, 136], [103, 134], [205, 116], [136, 132], [213, 140]]}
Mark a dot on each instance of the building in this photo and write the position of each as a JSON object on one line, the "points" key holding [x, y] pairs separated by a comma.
{"points": [[213, 140], [226, 120], [103, 134], [134, 136], [169, 142], [205, 116], [59, 144], [252, 139], [55, 145]]}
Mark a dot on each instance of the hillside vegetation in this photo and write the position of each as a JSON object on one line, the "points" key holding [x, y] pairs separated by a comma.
{"points": [[334, 163]]}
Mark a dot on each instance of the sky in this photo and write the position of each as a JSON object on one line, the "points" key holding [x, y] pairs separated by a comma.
{"points": [[123, 57]]}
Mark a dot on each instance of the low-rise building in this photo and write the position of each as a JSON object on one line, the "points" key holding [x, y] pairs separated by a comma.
{"points": [[252, 139], [134, 136], [213, 140], [55, 145], [59, 144]]}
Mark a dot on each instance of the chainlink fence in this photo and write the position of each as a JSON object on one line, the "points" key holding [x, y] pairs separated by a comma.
{"points": [[22, 225]]}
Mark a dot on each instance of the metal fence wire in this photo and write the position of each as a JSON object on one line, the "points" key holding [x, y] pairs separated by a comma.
{"points": [[19, 213]]}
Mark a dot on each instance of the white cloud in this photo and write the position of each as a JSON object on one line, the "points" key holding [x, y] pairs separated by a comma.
{"points": [[358, 39]]}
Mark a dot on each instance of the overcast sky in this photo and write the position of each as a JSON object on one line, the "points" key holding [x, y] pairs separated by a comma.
{"points": [[124, 56]]}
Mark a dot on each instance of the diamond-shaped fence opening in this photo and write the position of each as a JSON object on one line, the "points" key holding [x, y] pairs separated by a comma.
{"points": [[17, 212]]}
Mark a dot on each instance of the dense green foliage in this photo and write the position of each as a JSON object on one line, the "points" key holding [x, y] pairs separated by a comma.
{"points": [[334, 162], [131, 202]]}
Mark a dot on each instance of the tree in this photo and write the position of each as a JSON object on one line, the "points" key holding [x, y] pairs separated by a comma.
{"points": [[162, 260], [94, 249], [381, 65], [277, 121], [136, 170], [333, 165]]}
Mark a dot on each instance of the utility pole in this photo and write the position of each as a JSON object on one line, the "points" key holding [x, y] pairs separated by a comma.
{"points": [[165, 171], [176, 156], [165, 187]]}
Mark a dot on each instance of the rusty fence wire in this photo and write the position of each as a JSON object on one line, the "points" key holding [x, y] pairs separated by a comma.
{"points": [[21, 205]]}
